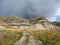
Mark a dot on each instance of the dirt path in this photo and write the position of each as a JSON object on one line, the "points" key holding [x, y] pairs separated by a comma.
{"points": [[28, 39]]}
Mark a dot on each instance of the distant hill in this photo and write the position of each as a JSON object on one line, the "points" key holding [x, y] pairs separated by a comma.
{"points": [[15, 18], [38, 22], [56, 23], [2, 18]]}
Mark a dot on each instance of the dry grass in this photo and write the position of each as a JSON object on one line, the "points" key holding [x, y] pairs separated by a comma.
{"points": [[48, 37], [8, 37]]}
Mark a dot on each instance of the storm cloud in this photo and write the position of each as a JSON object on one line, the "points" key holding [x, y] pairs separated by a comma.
{"points": [[30, 8]]}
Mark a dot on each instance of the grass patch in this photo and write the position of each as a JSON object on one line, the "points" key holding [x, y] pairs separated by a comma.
{"points": [[9, 37], [48, 37]]}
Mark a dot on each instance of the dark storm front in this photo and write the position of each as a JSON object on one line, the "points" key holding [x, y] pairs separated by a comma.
{"points": [[30, 8]]}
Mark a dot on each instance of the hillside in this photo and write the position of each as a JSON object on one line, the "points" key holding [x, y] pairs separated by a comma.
{"points": [[40, 23], [38, 31]]}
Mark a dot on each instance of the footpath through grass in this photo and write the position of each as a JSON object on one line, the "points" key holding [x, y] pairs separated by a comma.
{"points": [[51, 37]]}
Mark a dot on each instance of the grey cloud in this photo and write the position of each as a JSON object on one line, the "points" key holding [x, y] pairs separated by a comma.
{"points": [[29, 8]]}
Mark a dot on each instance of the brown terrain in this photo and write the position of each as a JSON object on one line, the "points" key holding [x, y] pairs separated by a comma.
{"points": [[14, 22], [38, 31]]}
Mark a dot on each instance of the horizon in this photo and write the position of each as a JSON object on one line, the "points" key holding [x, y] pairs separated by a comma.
{"points": [[25, 18], [31, 8]]}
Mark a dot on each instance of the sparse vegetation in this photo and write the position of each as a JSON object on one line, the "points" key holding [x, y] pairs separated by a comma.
{"points": [[48, 37], [9, 37], [11, 30]]}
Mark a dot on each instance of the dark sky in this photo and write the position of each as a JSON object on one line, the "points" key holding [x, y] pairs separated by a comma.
{"points": [[30, 8]]}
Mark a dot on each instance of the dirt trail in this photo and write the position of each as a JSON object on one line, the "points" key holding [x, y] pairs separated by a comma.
{"points": [[28, 39]]}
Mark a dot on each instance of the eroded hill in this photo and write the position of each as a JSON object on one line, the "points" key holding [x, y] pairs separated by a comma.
{"points": [[38, 23]]}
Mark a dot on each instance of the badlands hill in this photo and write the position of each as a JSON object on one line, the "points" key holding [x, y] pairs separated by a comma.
{"points": [[38, 31], [40, 23]]}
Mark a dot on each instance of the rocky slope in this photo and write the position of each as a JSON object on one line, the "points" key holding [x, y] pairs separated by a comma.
{"points": [[40, 23]]}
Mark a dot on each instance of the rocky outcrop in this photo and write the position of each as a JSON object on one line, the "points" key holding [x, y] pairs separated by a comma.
{"points": [[3, 24], [39, 23], [42, 24], [14, 19], [56, 25], [39, 20]]}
